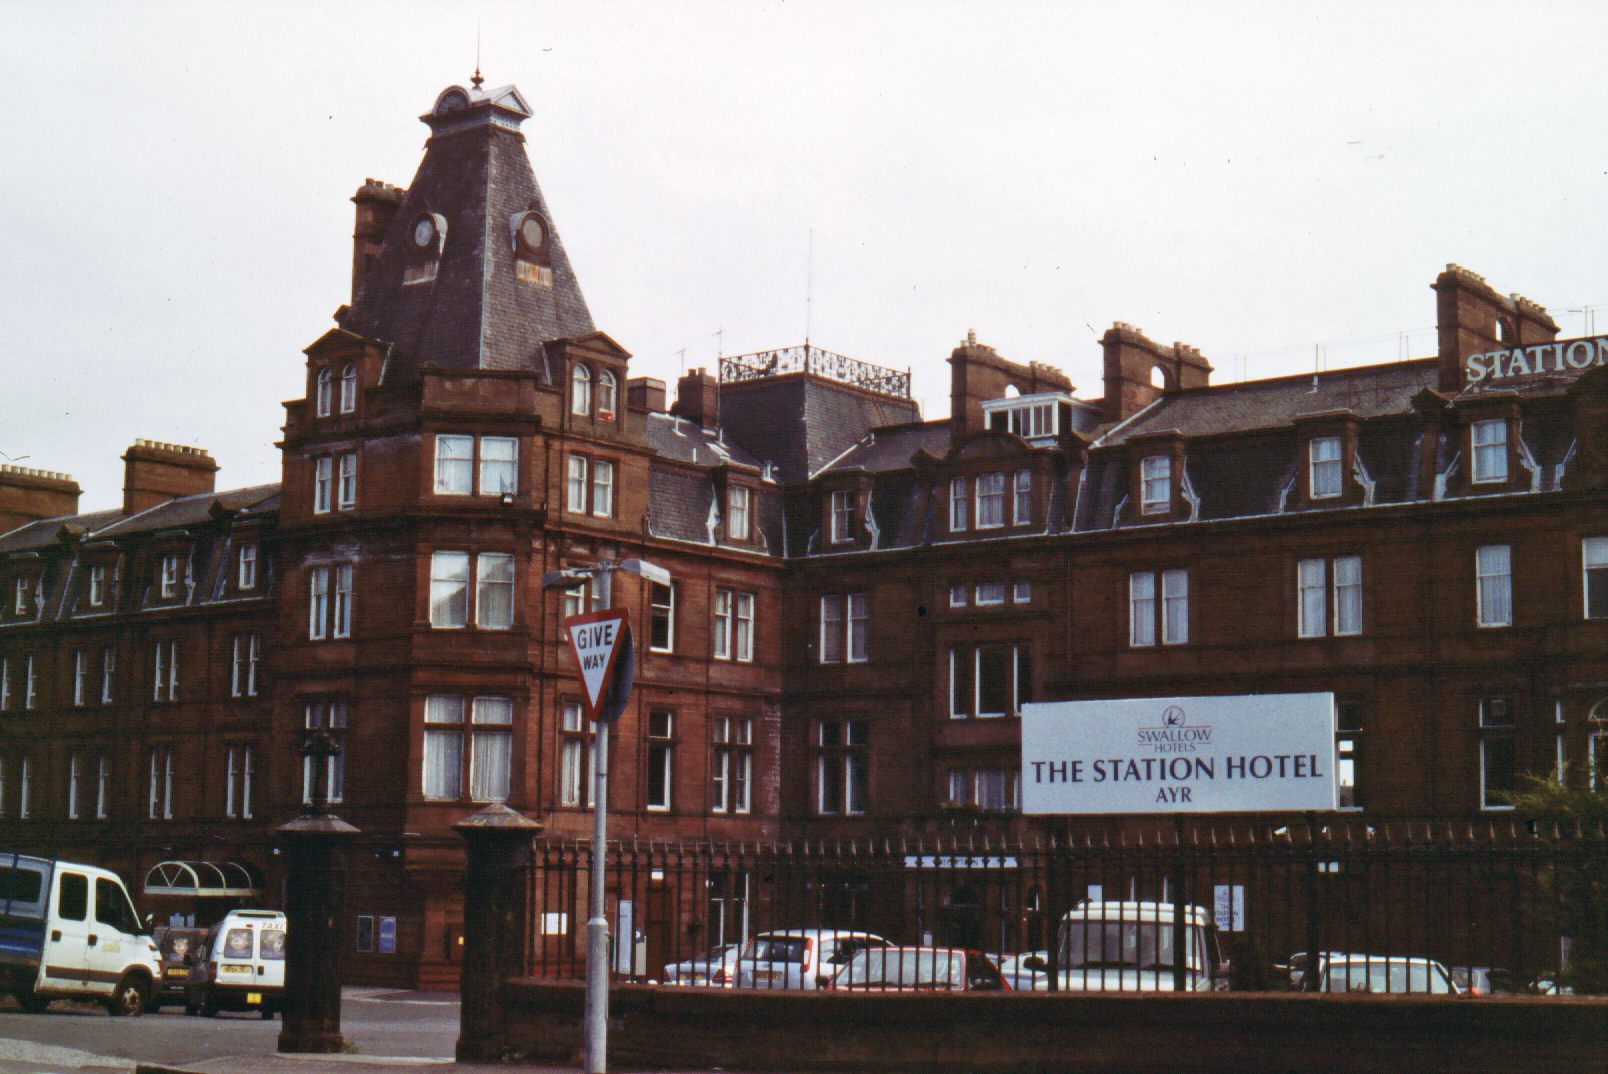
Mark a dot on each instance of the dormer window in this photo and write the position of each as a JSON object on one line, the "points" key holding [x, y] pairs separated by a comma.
{"points": [[324, 391], [429, 238], [1490, 446], [737, 514], [1323, 466], [349, 388], [247, 577], [170, 576], [1023, 497], [1155, 485], [842, 516], [97, 586], [581, 391], [607, 395], [530, 237], [22, 596], [1031, 417]]}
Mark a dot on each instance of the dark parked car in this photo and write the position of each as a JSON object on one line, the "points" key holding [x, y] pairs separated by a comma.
{"points": [[177, 946]]}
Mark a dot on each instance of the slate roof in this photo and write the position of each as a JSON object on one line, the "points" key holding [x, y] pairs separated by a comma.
{"points": [[684, 441], [1367, 391], [802, 422], [892, 448], [172, 514], [681, 501], [476, 313]]}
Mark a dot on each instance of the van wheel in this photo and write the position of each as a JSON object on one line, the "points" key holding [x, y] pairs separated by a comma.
{"points": [[128, 1000], [209, 1006], [32, 1002], [267, 1014]]}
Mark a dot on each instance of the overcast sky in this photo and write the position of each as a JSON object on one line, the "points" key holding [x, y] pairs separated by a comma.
{"points": [[1254, 179]]}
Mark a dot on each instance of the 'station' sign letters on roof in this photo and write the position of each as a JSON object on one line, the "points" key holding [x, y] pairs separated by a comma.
{"points": [[1244, 753], [595, 640]]}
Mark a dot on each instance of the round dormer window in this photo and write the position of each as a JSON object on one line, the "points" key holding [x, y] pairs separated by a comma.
{"points": [[424, 231], [453, 100]]}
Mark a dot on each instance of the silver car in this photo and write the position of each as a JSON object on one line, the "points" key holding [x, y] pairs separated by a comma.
{"points": [[1028, 971], [799, 958], [712, 968]]}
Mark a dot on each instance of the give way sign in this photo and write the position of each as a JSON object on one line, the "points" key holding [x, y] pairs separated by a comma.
{"points": [[599, 641]]}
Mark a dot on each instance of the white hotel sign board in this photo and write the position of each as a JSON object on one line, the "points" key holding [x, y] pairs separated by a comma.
{"points": [[1237, 754]]}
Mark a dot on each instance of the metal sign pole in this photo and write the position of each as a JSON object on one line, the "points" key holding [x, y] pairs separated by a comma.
{"points": [[597, 925]]}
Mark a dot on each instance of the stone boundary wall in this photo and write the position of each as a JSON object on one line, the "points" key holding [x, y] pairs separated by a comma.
{"points": [[697, 1028]]}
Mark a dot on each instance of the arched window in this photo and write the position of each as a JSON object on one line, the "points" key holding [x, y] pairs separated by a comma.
{"points": [[349, 388], [581, 391], [1159, 378], [607, 393], [325, 385]]}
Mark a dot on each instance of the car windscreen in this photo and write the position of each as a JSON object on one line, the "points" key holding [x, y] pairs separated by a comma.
{"points": [[896, 967], [1139, 945], [774, 949]]}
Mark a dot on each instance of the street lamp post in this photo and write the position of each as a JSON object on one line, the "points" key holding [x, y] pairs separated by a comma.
{"points": [[595, 1028]]}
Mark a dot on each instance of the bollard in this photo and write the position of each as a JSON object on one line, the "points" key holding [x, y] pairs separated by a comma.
{"points": [[496, 905]]}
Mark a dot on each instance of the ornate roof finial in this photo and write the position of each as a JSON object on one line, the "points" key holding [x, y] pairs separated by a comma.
{"points": [[476, 80]]}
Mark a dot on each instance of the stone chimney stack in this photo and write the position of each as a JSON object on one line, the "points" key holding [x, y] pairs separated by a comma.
{"points": [[645, 393], [698, 398], [155, 472], [377, 204], [1472, 318], [977, 374], [1131, 359], [27, 494]]}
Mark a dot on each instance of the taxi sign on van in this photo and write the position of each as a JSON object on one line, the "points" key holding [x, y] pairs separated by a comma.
{"points": [[598, 639]]}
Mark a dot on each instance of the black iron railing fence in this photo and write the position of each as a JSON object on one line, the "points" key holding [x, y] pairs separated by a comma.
{"points": [[1103, 911]]}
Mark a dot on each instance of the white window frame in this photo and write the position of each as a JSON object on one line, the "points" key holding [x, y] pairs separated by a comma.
{"points": [[667, 609], [346, 482], [449, 589], [499, 476], [103, 777], [491, 723], [608, 395], [959, 503], [1324, 458], [349, 388], [989, 594], [602, 488], [22, 596], [25, 788], [577, 774], [842, 511], [731, 772], [324, 385], [1021, 592], [1022, 496], [577, 481], [989, 493], [1493, 585], [487, 564], [739, 499], [1142, 603], [108, 673], [246, 578], [317, 603], [80, 671], [833, 638], [1175, 599], [30, 683], [581, 391], [722, 615], [169, 584], [454, 472], [959, 596], [72, 785], [743, 625], [323, 484], [97, 585], [1490, 729], [664, 745], [165, 685], [328, 714], [1155, 484], [1593, 558], [1488, 442], [341, 609]]}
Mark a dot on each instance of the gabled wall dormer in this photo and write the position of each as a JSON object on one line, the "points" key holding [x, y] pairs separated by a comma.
{"points": [[844, 498], [1156, 478], [592, 372], [1326, 451]]}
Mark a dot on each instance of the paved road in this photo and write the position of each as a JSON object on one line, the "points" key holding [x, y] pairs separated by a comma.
{"points": [[80, 1037]]}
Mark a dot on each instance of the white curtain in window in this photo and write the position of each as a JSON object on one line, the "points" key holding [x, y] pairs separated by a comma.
{"points": [[443, 763], [449, 589], [494, 597], [1311, 580], [454, 464], [1495, 585], [1348, 595]]}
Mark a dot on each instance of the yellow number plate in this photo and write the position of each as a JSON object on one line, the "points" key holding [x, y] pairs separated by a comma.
{"points": [[177, 972], [232, 968], [253, 997]]}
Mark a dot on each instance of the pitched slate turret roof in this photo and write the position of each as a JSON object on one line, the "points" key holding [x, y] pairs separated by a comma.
{"points": [[477, 313]]}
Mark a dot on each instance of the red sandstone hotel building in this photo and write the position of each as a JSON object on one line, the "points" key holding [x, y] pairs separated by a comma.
{"points": [[860, 599]]}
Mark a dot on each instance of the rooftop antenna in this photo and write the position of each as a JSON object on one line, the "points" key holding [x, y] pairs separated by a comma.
{"points": [[681, 363], [477, 80], [720, 345], [809, 289]]}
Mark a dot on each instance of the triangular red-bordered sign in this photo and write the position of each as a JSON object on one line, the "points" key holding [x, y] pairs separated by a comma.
{"points": [[594, 639]]}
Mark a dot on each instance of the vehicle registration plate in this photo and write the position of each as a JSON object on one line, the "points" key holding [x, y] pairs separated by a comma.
{"points": [[229, 967], [765, 975], [177, 971], [253, 997]]}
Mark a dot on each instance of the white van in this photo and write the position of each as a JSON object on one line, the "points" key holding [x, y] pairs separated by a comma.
{"points": [[239, 966], [1128, 947], [69, 931]]}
